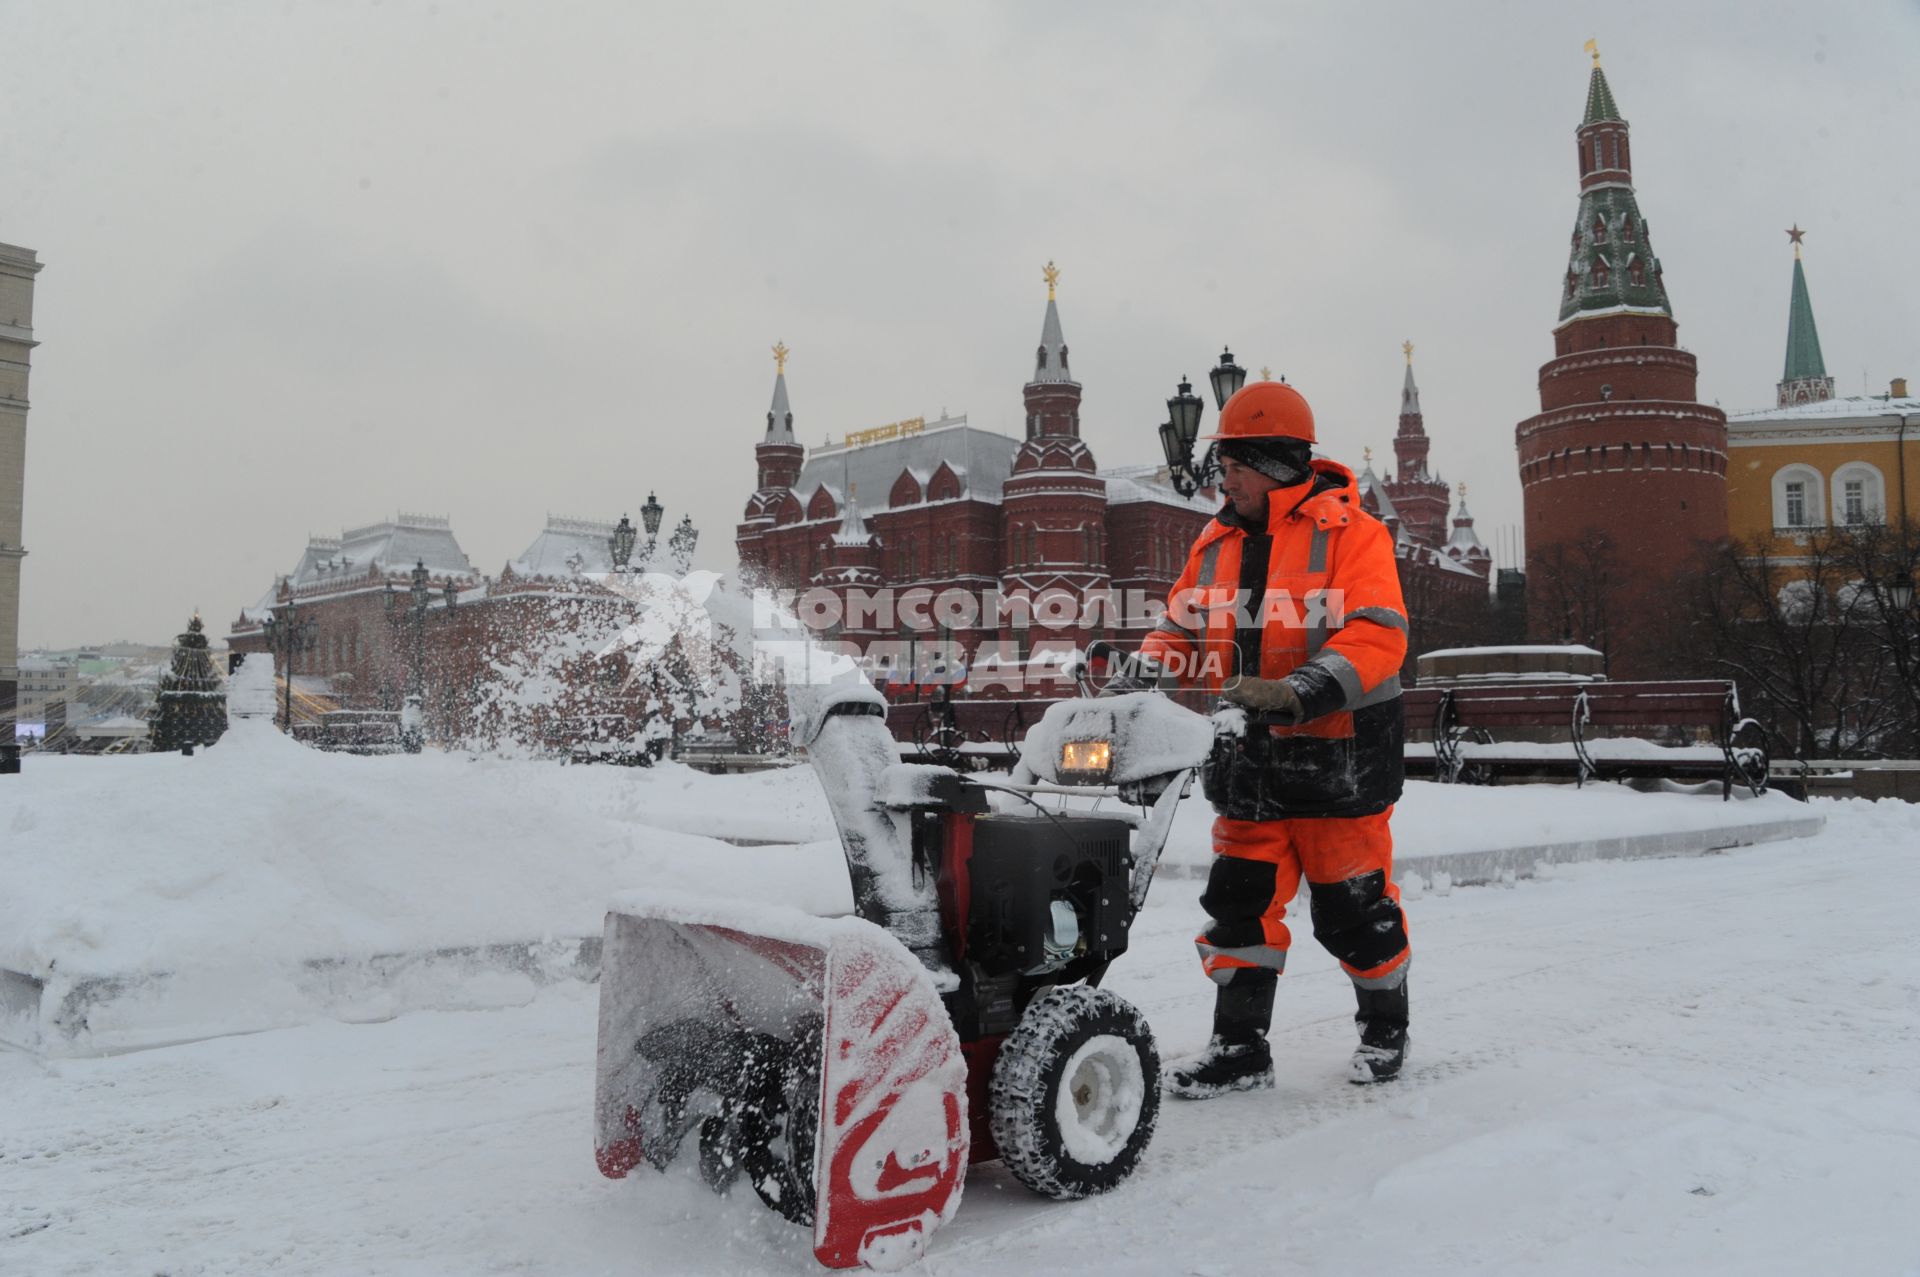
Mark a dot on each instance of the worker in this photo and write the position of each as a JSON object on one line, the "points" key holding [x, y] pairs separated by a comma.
{"points": [[1289, 608]]}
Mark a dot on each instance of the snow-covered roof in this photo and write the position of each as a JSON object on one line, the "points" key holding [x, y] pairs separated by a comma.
{"points": [[1516, 649], [982, 458], [1464, 540], [853, 529], [1369, 482], [117, 722], [1128, 485], [393, 546], [1848, 408], [567, 547]]}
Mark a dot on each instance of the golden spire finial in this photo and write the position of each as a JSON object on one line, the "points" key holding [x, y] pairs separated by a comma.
{"points": [[780, 353], [1266, 373], [1406, 348], [1052, 274], [1593, 47], [1367, 455], [1463, 489], [1795, 235]]}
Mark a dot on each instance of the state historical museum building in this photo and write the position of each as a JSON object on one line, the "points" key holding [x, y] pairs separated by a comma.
{"points": [[941, 506]]}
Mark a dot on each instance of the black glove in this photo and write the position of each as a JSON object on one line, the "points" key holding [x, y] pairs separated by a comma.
{"points": [[1274, 697]]}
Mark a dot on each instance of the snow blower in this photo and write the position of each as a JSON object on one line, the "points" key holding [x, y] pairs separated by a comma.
{"points": [[848, 1070]]}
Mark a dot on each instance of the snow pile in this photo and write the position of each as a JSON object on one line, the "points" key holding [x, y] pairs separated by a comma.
{"points": [[261, 883], [250, 689]]}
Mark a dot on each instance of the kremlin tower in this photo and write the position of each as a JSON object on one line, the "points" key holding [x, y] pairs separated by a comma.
{"points": [[1418, 494], [1804, 380], [1622, 472]]}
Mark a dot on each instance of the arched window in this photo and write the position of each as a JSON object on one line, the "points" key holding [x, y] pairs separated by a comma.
{"points": [[1636, 271], [1626, 230], [1596, 152], [1600, 230], [1859, 494], [1614, 149], [1600, 273], [1797, 497], [1043, 356]]}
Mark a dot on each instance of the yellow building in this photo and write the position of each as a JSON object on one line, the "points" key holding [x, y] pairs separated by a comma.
{"points": [[1824, 464], [1816, 461]]}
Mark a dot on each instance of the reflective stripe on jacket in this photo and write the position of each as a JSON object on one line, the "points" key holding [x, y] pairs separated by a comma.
{"points": [[1326, 615]]}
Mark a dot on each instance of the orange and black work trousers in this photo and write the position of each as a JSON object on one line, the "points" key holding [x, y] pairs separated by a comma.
{"points": [[1348, 865]]}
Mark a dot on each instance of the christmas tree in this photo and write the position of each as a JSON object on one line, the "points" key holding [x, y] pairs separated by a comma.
{"points": [[191, 708]]}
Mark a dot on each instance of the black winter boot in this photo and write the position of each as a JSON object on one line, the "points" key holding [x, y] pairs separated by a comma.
{"points": [[1383, 1034], [1237, 1057]]}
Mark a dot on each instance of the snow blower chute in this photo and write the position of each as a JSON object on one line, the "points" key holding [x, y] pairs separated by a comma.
{"points": [[847, 1070]]}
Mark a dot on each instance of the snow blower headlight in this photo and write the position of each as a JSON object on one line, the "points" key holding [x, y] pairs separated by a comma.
{"points": [[1086, 762]]}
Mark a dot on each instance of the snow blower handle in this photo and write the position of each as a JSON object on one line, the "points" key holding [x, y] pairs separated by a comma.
{"points": [[1128, 672]]}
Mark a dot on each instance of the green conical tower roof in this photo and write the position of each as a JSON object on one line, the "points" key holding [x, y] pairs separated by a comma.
{"points": [[1803, 339], [1805, 378], [1612, 266], [1600, 104]]}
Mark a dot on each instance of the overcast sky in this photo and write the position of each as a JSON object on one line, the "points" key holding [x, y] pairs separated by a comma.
{"points": [[309, 264]]}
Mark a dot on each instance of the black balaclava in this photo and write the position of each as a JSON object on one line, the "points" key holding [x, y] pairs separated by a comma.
{"points": [[1285, 461]]}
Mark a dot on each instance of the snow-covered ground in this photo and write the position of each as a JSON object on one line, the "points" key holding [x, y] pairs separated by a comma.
{"points": [[1706, 1064], [261, 884]]}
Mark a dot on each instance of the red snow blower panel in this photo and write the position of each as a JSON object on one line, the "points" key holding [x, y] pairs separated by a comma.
{"points": [[810, 1059]]}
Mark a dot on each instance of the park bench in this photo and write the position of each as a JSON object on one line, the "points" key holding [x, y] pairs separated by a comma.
{"points": [[1606, 725]]}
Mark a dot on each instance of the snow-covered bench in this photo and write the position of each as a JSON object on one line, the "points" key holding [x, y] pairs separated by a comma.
{"points": [[1466, 722]]}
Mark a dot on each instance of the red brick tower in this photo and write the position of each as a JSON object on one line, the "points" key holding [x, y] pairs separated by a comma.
{"points": [[1418, 494], [778, 457], [1053, 505], [1622, 473]]}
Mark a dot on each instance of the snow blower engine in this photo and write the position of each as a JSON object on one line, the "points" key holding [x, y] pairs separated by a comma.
{"points": [[847, 1070]]}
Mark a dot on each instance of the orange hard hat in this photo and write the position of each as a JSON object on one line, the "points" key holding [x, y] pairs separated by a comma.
{"points": [[1265, 410]]}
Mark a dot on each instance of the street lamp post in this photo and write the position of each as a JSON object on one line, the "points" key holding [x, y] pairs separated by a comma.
{"points": [[621, 544], [287, 634], [650, 516], [422, 594], [1900, 594], [409, 609], [1182, 427], [681, 543]]}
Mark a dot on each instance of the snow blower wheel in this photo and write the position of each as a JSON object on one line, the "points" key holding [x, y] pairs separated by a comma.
{"points": [[1075, 1093]]}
